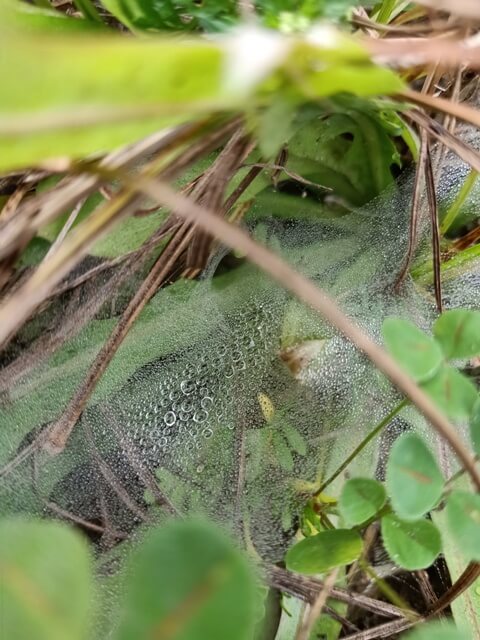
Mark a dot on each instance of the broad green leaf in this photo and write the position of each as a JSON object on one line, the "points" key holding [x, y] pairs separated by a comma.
{"points": [[458, 332], [324, 551], [349, 151], [418, 354], [360, 499], [45, 581], [411, 545], [475, 427], [438, 631], [414, 480], [454, 394], [88, 95], [187, 581], [463, 519]]}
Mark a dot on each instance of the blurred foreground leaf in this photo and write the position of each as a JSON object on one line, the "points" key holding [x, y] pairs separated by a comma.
{"points": [[88, 94], [188, 582], [45, 581]]}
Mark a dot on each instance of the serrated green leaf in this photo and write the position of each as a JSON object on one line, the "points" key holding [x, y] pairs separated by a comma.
{"points": [[454, 394], [411, 545], [324, 551], [46, 586], [458, 332], [361, 498], [187, 581], [463, 520], [418, 354], [414, 480]]}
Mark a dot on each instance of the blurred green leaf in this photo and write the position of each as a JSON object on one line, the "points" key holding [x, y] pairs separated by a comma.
{"points": [[414, 480], [418, 354], [361, 498], [463, 520], [411, 545], [458, 332], [45, 582], [454, 394], [438, 631], [87, 95], [324, 551], [188, 582]]}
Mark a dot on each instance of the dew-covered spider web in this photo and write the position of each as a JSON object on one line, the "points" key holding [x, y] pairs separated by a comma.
{"points": [[228, 398]]}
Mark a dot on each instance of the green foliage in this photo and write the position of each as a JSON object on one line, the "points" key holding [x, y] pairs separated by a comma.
{"points": [[324, 551], [417, 353], [411, 545], [454, 394], [463, 519], [214, 15], [88, 95], [423, 357], [437, 631], [45, 581], [187, 582], [349, 150], [31, 19], [360, 500], [414, 481], [458, 332]]}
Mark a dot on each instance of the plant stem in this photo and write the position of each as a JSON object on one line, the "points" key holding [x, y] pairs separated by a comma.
{"points": [[423, 274], [380, 426], [459, 201], [386, 11]]}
